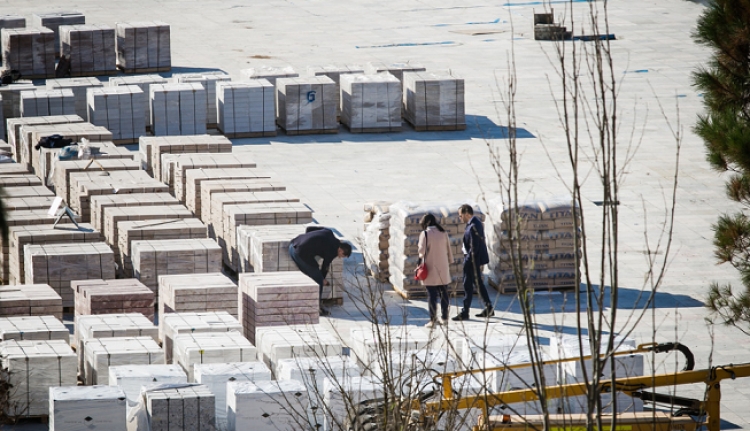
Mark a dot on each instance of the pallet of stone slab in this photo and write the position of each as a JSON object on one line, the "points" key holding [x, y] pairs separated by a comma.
{"points": [[110, 326], [256, 214], [154, 258], [73, 408], [13, 169], [202, 293], [89, 49], [209, 82], [144, 82], [280, 401], [433, 102], [30, 51], [27, 203], [176, 175], [12, 21], [143, 47], [178, 109], [211, 348], [113, 297], [30, 300], [277, 299], [10, 96], [53, 21], [140, 230], [84, 185], [120, 110], [307, 105], [20, 219], [19, 236], [63, 168], [173, 324], [115, 214], [98, 203], [395, 69], [172, 407], [155, 146], [371, 103], [6, 150], [132, 378], [295, 341], [39, 103], [38, 327], [40, 159], [79, 86], [246, 109], [14, 128], [59, 264], [215, 212], [269, 73], [19, 180], [335, 72], [210, 187], [231, 176], [31, 368], [101, 353]]}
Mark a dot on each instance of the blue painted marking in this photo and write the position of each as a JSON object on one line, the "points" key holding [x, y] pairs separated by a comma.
{"points": [[496, 21], [489, 40], [682, 95], [408, 44]]}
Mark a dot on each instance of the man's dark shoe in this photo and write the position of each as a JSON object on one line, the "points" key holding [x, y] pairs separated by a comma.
{"points": [[460, 317], [487, 312], [324, 312]]}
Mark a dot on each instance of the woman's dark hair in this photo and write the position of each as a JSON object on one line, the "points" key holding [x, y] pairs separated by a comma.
{"points": [[429, 220]]}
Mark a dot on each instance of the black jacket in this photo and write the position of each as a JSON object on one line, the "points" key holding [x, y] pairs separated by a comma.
{"points": [[317, 241], [474, 243]]}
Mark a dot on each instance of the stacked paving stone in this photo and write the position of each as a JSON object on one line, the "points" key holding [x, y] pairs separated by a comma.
{"points": [[200, 184], [307, 105], [277, 299], [101, 353], [395, 69], [99, 203], [12, 21], [144, 83], [59, 264], [131, 378], [115, 215], [17, 180], [371, 103], [246, 109], [10, 96], [30, 300], [549, 243], [31, 368], [295, 341], [367, 342], [176, 175], [270, 74], [41, 159], [64, 168], [182, 407], [88, 151], [264, 405], [188, 293], [433, 102], [27, 203], [211, 348], [121, 296], [78, 86], [89, 49], [173, 324], [40, 103], [119, 109], [30, 51], [403, 251], [209, 81], [176, 256], [215, 209], [143, 47], [15, 125], [376, 235], [153, 147], [338, 396], [74, 408], [33, 328], [336, 72], [53, 21], [178, 109]]}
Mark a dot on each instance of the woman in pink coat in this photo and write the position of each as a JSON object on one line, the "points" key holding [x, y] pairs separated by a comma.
{"points": [[435, 251]]}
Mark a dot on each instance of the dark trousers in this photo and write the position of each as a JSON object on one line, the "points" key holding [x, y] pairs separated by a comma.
{"points": [[472, 276], [311, 269], [433, 293]]}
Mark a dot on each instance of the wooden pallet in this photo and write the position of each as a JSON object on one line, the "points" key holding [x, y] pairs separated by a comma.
{"points": [[240, 135], [333, 301], [422, 293], [125, 141], [93, 73], [446, 128], [144, 70], [373, 129], [310, 132], [512, 288]]}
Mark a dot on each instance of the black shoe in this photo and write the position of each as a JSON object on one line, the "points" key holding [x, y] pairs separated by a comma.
{"points": [[324, 312], [460, 317], [487, 312]]}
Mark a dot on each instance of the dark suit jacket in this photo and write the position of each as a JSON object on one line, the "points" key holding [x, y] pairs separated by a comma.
{"points": [[317, 241], [474, 243]]}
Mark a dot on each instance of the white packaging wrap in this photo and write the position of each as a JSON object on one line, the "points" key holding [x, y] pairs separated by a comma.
{"points": [[131, 378], [75, 408], [266, 405]]}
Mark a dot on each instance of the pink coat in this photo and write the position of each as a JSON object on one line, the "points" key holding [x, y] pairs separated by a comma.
{"points": [[439, 256]]}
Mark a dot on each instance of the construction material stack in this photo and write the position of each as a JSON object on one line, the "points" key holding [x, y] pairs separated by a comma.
{"points": [[202, 184], [209, 81], [395, 69], [33, 328], [120, 110], [178, 109], [16, 124], [152, 148], [39, 103], [307, 105], [376, 235], [264, 405], [89, 49], [206, 322], [246, 109], [79, 86], [99, 204], [73, 408], [211, 348], [53, 21], [154, 258], [269, 73], [30, 51], [30, 300], [41, 159], [121, 296], [371, 103], [63, 169], [101, 353], [188, 293], [143, 47], [180, 407], [433, 102], [175, 167], [295, 341], [132, 378], [144, 83]]}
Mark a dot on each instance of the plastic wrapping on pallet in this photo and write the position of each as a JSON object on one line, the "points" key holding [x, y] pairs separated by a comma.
{"points": [[73, 408]]}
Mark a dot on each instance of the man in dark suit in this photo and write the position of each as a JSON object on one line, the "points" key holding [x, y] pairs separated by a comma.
{"points": [[475, 255]]}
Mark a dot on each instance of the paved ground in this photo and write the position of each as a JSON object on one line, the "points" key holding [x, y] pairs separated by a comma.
{"points": [[335, 174]]}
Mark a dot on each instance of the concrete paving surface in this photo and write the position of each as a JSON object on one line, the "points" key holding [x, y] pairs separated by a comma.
{"points": [[485, 42]]}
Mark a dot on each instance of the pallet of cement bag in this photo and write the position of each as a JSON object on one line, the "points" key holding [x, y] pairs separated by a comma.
{"points": [[246, 109], [101, 353], [172, 407], [188, 293], [269, 73], [154, 258], [64, 168], [30, 51], [30, 300], [90, 327], [143, 47], [113, 215], [178, 109], [120, 110], [144, 82], [39, 103], [89, 49], [79, 86], [120, 296], [395, 69], [186, 162], [15, 137], [433, 102], [129, 231], [156, 146], [98, 203], [307, 105], [33, 327], [72, 408], [195, 177], [219, 200], [371, 103], [192, 322], [209, 81]]}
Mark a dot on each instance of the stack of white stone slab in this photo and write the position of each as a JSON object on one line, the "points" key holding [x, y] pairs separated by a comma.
{"points": [[246, 109], [30, 51], [395, 69], [180, 407], [153, 147], [335, 71], [340, 396], [154, 258], [143, 47], [307, 105], [313, 371], [41, 160], [132, 378], [40, 103], [27, 203], [144, 82], [269, 73], [173, 324], [59, 264], [295, 341], [53, 21], [178, 109], [371, 103], [188, 293], [15, 125], [64, 168], [73, 408], [17, 180], [100, 203], [433, 102], [89, 49], [176, 175], [211, 347], [119, 109], [33, 328], [211, 181], [209, 81], [79, 86], [216, 377], [101, 353], [366, 342], [31, 368], [30, 300], [266, 405], [10, 96]]}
